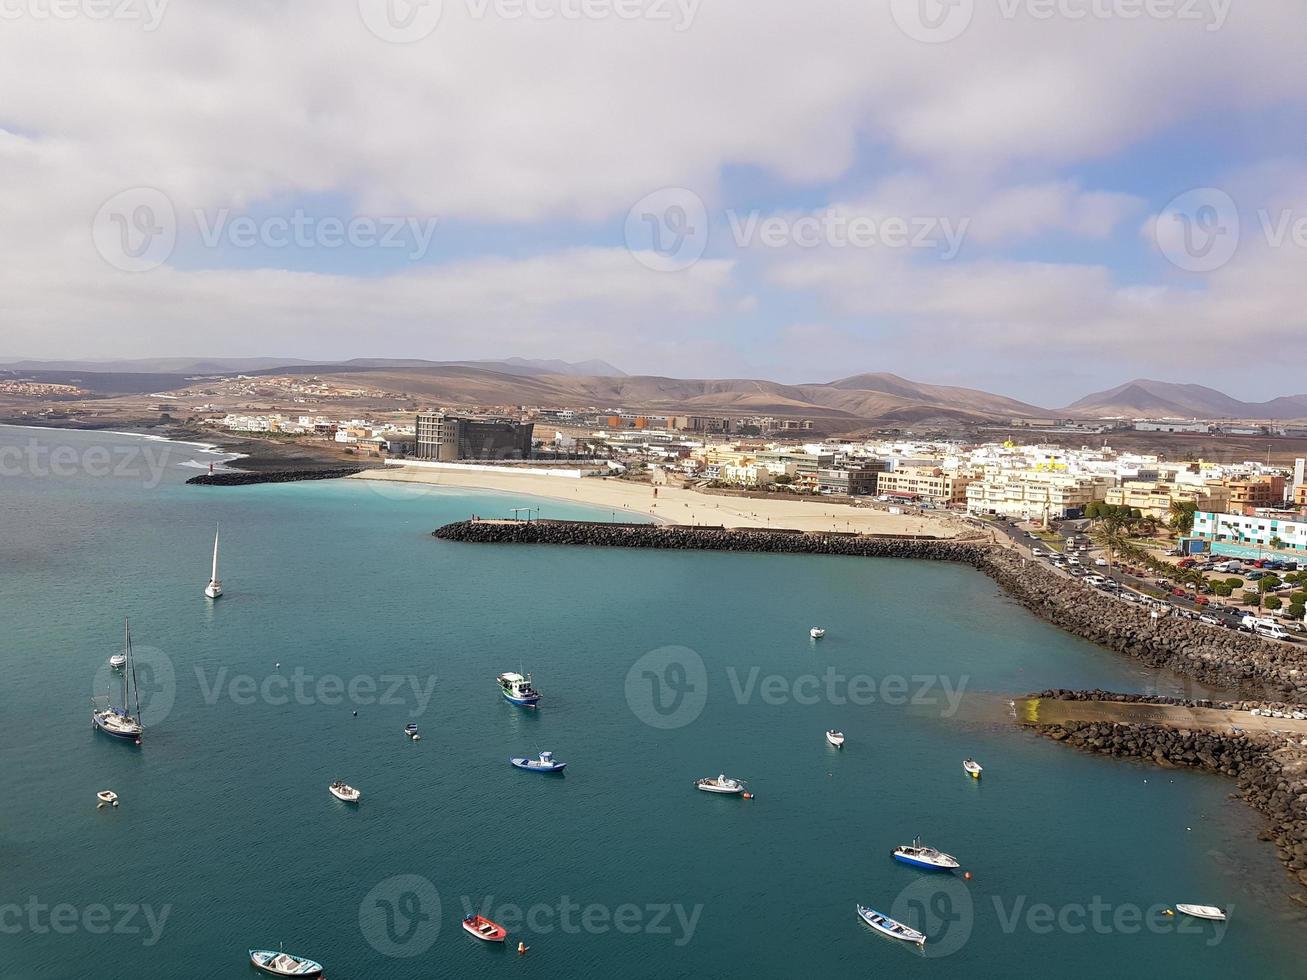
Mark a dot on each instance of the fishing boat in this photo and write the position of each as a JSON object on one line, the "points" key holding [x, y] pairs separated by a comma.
{"points": [[1203, 912], [890, 927], [920, 856], [518, 690], [116, 721], [214, 589], [483, 928], [835, 738], [725, 785], [281, 964], [546, 763], [816, 632], [972, 767], [106, 797], [345, 792]]}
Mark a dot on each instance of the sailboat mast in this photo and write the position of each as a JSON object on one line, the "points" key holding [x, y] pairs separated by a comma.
{"points": [[136, 688], [214, 576]]}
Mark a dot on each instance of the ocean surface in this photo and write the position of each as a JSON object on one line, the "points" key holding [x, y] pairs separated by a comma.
{"points": [[657, 668]]}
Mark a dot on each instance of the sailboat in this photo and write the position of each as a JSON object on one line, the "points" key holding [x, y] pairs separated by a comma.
{"points": [[115, 721], [214, 589]]}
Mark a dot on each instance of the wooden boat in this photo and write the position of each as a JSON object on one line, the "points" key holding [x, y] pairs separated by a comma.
{"points": [[106, 797], [1202, 912], [890, 927], [835, 738], [345, 792], [281, 964], [483, 928]]}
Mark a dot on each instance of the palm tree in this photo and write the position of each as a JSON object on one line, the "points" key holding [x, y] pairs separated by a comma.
{"points": [[1181, 514]]}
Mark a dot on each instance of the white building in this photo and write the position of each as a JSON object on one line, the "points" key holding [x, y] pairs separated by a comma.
{"points": [[1255, 531]]}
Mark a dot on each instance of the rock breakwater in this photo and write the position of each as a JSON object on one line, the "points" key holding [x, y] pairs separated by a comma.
{"points": [[241, 479]]}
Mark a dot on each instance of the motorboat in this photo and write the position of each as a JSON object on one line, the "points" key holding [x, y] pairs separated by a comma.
{"points": [[345, 792], [890, 927], [725, 785], [1202, 912], [920, 856], [214, 589], [483, 928], [835, 738], [119, 721], [816, 632], [118, 661], [411, 730], [972, 767], [518, 689], [546, 763], [106, 797], [281, 964]]}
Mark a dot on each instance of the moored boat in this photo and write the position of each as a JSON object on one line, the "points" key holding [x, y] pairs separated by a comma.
{"points": [[411, 730], [835, 738], [890, 927], [281, 964], [816, 632], [972, 767], [116, 721], [106, 797], [725, 785], [518, 689], [920, 856], [546, 763], [214, 589], [345, 792], [483, 928], [118, 661], [1203, 912]]}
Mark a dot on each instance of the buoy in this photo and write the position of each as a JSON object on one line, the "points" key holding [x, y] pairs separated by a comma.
{"points": [[522, 948], [1168, 912], [966, 875], [356, 712], [278, 665], [138, 741], [748, 796]]}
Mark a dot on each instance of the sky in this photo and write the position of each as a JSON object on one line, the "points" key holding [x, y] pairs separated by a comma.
{"points": [[1036, 197]]}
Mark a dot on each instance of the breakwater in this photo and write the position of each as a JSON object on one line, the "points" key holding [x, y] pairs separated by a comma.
{"points": [[1271, 771], [242, 478], [1260, 669]]}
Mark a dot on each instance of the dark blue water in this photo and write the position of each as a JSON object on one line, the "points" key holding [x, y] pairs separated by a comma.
{"points": [[227, 838]]}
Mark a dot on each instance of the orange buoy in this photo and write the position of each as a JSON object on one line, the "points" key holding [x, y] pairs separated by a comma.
{"points": [[522, 948], [748, 796], [966, 875]]}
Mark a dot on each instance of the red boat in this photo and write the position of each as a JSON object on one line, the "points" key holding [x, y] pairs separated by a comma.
{"points": [[483, 928]]}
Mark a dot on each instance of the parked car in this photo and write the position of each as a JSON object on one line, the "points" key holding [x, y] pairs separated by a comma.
{"points": [[1101, 562], [1202, 600], [1178, 592], [1254, 576]]}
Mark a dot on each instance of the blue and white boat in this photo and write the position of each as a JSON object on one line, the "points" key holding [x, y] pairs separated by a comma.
{"points": [[281, 964], [116, 721], [518, 690], [890, 927], [920, 856], [411, 730], [546, 763]]}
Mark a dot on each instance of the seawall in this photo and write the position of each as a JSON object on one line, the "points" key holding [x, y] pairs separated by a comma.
{"points": [[1263, 670], [241, 479]]}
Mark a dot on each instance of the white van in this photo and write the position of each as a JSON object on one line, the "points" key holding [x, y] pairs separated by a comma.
{"points": [[1268, 628]]}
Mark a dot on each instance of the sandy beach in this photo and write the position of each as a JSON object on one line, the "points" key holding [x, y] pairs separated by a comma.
{"points": [[679, 506]]}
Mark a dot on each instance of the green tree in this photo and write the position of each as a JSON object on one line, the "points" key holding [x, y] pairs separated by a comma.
{"points": [[1275, 542], [1272, 602], [1297, 610]]}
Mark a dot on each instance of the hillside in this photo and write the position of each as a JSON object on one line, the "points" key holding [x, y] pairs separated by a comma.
{"points": [[1144, 398]]}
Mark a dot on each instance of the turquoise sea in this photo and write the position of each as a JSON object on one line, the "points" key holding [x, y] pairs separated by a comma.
{"points": [[657, 668]]}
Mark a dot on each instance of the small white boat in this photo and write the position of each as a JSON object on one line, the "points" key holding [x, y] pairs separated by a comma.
{"points": [[1203, 912], [281, 964], [835, 738], [972, 768], [890, 927], [118, 661], [344, 792], [107, 797], [214, 589], [725, 785], [816, 632]]}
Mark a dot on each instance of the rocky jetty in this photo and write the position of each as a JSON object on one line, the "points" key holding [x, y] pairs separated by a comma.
{"points": [[241, 479], [1264, 670], [1271, 771]]}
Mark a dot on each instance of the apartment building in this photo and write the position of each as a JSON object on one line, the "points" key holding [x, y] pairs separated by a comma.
{"points": [[1154, 499], [1255, 530], [1035, 494], [926, 483], [1254, 493]]}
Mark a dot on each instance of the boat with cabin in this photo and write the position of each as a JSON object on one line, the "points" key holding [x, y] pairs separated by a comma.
{"points": [[546, 763], [920, 856], [724, 785], [517, 689]]}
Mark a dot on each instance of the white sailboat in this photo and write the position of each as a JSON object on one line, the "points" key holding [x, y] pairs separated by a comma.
{"points": [[214, 589], [119, 721]]}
